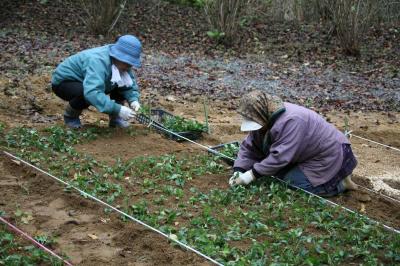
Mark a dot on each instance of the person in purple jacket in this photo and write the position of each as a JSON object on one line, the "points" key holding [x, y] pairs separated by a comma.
{"points": [[294, 144]]}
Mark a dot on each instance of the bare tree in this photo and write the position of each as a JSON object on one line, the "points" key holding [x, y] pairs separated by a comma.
{"points": [[224, 17], [351, 19], [102, 15]]}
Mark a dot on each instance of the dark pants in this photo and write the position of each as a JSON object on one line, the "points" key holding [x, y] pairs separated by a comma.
{"points": [[72, 91], [294, 176]]}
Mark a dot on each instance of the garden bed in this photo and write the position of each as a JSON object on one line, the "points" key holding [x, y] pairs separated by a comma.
{"points": [[78, 227], [186, 195], [18, 251]]}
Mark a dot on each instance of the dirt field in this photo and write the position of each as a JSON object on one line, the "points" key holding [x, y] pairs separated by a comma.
{"points": [[183, 68], [78, 225], [88, 236]]}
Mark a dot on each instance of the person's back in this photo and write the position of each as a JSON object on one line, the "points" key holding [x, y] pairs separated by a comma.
{"points": [[319, 153], [74, 67]]}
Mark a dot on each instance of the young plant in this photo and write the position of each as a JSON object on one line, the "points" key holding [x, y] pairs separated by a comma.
{"points": [[144, 109], [45, 240], [231, 150], [179, 124], [14, 252]]}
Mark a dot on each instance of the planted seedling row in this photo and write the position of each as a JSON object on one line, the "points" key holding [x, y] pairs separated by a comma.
{"points": [[187, 197]]}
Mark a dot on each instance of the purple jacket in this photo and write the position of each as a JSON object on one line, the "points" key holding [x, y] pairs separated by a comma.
{"points": [[298, 136]]}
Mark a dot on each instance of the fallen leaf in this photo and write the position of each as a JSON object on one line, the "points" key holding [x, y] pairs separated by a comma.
{"points": [[170, 98], [212, 236], [362, 210], [173, 237], [104, 220], [16, 162], [26, 219], [93, 236]]}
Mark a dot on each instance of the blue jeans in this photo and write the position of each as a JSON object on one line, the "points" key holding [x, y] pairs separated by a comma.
{"points": [[295, 177]]}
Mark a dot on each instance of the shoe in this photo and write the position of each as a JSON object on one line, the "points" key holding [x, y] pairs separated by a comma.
{"points": [[71, 117], [72, 122], [116, 121], [348, 184]]}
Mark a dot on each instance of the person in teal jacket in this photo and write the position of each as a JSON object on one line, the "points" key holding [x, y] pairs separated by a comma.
{"points": [[101, 77]]}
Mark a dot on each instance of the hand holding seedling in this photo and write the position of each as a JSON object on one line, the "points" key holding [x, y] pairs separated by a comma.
{"points": [[126, 113], [241, 178], [135, 105]]}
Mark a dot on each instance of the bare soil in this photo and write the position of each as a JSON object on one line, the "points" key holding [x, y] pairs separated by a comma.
{"points": [[89, 236], [82, 230]]}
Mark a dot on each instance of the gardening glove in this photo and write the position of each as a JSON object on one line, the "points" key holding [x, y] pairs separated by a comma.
{"points": [[241, 178], [235, 175], [135, 105], [126, 113]]}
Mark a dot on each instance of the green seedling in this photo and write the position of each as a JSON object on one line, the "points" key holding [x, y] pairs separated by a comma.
{"points": [[160, 200], [216, 35], [145, 110], [45, 240], [2, 127], [24, 217], [14, 252], [179, 124], [261, 224], [231, 150]]}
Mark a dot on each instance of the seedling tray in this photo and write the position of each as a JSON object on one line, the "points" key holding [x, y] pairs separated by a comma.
{"points": [[157, 116], [221, 147]]}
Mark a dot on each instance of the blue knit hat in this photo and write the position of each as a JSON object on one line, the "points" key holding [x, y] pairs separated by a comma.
{"points": [[127, 49]]}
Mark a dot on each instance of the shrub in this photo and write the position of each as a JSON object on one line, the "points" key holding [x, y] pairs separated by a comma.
{"points": [[102, 15], [351, 19], [224, 17]]}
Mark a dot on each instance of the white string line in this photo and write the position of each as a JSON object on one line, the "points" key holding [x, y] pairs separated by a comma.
{"points": [[348, 133], [331, 202], [191, 141], [115, 209]]}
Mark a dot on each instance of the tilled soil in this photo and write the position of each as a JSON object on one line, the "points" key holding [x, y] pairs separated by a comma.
{"points": [[88, 236], [365, 202], [372, 205], [82, 230]]}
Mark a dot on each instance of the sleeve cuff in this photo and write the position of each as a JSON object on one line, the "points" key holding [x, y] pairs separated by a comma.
{"points": [[239, 169], [116, 109], [256, 174]]}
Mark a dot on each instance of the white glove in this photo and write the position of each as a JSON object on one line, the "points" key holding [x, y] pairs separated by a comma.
{"points": [[135, 105], [241, 178], [126, 113], [233, 177]]}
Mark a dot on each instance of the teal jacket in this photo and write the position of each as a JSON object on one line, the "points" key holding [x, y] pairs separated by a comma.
{"points": [[92, 67]]}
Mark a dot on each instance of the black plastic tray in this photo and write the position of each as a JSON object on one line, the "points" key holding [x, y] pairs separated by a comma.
{"points": [[157, 116], [221, 147]]}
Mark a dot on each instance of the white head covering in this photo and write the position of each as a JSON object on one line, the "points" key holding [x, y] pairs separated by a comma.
{"points": [[121, 79], [249, 125]]}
